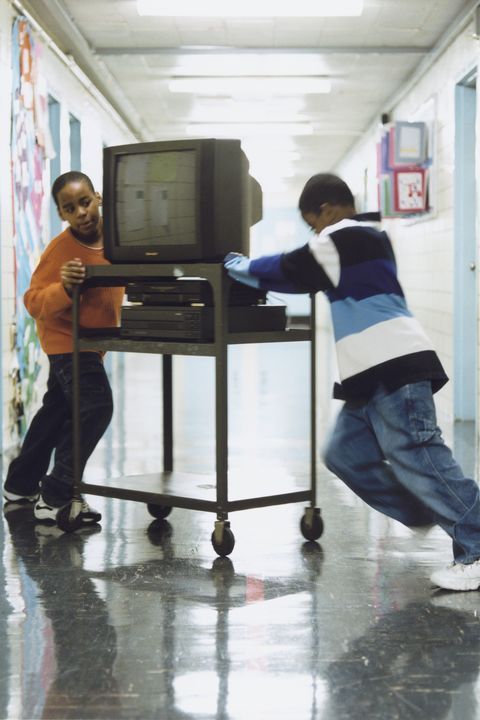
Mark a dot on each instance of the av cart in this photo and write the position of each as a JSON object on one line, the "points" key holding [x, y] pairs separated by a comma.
{"points": [[168, 489]]}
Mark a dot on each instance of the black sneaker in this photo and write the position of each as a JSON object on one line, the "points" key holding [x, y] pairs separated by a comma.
{"points": [[48, 513], [11, 497]]}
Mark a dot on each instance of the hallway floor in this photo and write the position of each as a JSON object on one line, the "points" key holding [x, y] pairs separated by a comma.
{"points": [[139, 619]]}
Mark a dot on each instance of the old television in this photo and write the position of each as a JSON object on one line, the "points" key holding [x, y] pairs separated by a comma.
{"points": [[178, 200]]}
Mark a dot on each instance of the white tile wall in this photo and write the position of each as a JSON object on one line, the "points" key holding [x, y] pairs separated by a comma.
{"points": [[425, 249]]}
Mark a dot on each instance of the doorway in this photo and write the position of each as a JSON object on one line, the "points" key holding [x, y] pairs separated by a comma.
{"points": [[465, 280]]}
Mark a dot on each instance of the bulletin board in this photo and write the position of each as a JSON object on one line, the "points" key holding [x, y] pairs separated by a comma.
{"points": [[406, 167]]}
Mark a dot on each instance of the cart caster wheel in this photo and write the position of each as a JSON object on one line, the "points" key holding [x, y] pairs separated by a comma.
{"points": [[311, 524], [223, 539], [159, 511], [67, 523]]}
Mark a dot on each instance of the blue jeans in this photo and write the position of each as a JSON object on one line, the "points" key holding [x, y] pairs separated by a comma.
{"points": [[390, 452], [50, 432]]}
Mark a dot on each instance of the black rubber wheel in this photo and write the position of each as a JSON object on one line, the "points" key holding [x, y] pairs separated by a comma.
{"points": [[64, 521], [159, 511], [314, 530], [226, 546]]}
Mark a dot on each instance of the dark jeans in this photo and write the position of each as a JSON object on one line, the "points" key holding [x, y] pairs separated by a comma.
{"points": [[50, 431], [391, 453]]}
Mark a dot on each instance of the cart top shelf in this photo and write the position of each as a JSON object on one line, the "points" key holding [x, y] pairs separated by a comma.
{"points": [[121, 274]]}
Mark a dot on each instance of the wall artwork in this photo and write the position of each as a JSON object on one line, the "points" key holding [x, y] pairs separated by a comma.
{"points": [[410, 194], [404, 168], [28, 163]]}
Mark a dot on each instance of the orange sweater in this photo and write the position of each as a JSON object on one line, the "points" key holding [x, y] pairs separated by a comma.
{"points": [[48, 303]]}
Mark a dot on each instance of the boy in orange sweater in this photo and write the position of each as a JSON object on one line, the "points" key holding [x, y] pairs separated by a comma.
{"points": [[49, 302]]}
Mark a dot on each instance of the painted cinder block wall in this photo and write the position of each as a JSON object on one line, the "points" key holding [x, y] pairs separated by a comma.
{"points": [[425, 248], [100, 125]]}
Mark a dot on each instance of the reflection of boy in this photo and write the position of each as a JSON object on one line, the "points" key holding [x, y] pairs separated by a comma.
{"points": [[386, 445], [78, 622], [405, 649], [48, 300]]}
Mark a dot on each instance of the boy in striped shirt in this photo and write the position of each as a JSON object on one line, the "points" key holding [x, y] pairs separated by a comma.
{"points": [[386, 445]]}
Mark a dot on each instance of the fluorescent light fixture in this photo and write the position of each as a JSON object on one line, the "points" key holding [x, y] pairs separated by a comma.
{"points": [[275, 145], [270, 64], [221, 109], [239, 130], [247, 116], [249, 86], [250, 8]]}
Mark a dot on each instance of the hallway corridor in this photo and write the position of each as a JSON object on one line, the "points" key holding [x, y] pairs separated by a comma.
{"points": [[141, 620]]}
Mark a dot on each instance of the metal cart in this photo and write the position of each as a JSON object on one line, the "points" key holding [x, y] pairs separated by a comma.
{"points": [[165, 490]]}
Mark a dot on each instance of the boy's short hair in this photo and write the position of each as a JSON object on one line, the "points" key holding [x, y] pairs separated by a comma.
{"points": [[324, 188], [71, 176]]}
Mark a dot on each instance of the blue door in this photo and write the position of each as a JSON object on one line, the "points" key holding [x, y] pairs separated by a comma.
{"points": [[465, 285]]}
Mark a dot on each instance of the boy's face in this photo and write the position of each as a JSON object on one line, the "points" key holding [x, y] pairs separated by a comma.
{"points": [[318, 221], [79, 206], [327, 215]]}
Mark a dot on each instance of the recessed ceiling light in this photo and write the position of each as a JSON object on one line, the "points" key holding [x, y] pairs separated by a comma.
{"points": [[238, 130], [280, 64], [250, 8], [250, 85]]}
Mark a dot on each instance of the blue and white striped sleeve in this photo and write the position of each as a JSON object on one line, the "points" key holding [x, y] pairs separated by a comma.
{"points": [[265, 272]]}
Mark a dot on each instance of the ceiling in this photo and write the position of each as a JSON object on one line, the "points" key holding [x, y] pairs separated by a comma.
{"points": [[368, 59]]}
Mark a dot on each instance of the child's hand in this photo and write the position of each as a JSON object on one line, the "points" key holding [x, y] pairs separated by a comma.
{"points": [[72, 273]]}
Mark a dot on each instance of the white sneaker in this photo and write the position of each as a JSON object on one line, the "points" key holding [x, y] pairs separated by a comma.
{"points": [[458, 576], [48, 513]]}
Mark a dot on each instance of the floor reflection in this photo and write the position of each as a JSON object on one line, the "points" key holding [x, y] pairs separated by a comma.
{"points": [[67, 642], [141, 621], [415, 663]]}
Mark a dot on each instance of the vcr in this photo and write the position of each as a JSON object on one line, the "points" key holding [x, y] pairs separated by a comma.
{"points": [[190, 292], [197, 323]]}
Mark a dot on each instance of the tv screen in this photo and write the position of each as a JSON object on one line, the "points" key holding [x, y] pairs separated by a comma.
{"points": [[168, 201]]}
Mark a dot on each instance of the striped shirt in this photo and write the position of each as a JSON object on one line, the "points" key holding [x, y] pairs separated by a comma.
{"points": [[377, 339]]}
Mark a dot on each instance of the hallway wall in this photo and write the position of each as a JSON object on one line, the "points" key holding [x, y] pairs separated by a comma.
{"points": [[425, 246], [100, 126]]}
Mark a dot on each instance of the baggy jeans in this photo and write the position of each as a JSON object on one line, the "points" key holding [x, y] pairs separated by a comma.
{"points": [[391, 453], [50, 432]]}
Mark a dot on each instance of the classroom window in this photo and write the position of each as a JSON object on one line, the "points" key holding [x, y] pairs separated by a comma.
{"points": [[75, 144], [54, 125]]}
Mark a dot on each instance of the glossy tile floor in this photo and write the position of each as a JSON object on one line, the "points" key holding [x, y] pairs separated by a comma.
{"points": [[141, 619]]}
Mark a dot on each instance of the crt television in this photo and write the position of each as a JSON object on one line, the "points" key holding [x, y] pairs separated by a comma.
{"points": [[178, 200]]}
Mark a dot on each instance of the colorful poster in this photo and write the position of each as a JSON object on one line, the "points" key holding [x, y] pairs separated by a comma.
{"points": [[410, 190], [403, 169], [28, 162]]}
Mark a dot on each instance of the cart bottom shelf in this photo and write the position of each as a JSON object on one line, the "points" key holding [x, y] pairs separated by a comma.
{"points": [[165, 490]]}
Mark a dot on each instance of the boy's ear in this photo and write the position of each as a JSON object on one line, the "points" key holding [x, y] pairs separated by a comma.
{"points": [[325, 209], [99, 198]]}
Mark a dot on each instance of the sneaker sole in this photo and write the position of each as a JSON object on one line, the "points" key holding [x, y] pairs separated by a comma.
{"points": [[90, 518], [464, 586], [44, 515], [19, 499]]}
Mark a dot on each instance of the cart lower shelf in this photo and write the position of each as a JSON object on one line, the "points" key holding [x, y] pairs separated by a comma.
{"points": [[166, 490]]}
